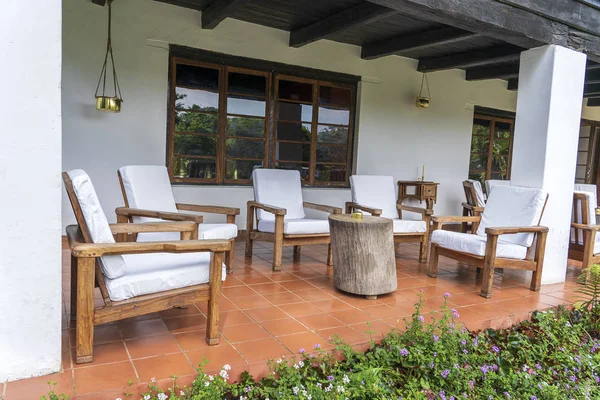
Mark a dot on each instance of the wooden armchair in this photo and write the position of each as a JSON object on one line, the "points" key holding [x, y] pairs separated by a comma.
{"points": [[584, 244], [191, 272], [474, 204], [147, 189], [493, 245], [377, 196], [279, 211]]}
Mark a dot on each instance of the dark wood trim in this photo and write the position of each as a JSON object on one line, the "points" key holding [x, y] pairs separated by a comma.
{"points": [[592, 90], [353, 17], [593, 102], [513, 84], [509, 116], [218, 10], [493, 72], [476, 58], [413, 41], [99, 2], [592, 76]]}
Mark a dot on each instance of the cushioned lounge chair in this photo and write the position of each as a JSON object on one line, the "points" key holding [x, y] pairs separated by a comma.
{"points": [[474, 204]]}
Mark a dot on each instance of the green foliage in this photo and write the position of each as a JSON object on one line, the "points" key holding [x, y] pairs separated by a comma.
{"points": [[52, 395], [590, 291], [553, 356]]}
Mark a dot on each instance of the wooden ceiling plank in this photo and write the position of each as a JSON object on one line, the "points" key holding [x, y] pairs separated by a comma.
{"points": [[493, 72], [475, 58], [218, 10], [593, 102]]}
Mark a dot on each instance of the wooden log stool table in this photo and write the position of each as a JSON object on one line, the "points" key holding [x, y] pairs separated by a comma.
{"points": [[364, 262]]}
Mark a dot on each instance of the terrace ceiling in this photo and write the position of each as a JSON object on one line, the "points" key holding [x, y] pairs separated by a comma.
{"points": [[483, 37]]}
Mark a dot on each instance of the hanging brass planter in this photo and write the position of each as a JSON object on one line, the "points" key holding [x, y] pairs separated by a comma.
{"points": [[106, 102], [423, 101]]}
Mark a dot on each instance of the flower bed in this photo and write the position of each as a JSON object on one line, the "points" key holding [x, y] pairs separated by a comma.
{"points": [[554, 356]]}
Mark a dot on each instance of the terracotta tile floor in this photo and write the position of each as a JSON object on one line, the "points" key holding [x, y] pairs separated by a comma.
{"points": [[267, 314]]}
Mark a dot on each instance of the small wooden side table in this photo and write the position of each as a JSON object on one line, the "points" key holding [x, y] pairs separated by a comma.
{"points": [[424, 191], [363, 254]]}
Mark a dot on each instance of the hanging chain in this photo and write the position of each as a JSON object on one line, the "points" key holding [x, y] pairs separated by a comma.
{"points": [[109, 51], [424, 79]]}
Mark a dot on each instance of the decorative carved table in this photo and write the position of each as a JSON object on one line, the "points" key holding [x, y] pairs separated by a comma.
{"points": [[424, 191], [364, 262]]}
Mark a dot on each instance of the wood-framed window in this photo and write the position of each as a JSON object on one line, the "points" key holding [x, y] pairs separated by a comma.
{"points": [[491, 148], [225, 121]]}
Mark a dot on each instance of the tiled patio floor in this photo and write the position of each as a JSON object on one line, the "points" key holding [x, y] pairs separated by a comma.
{"points": [[265, 315]]}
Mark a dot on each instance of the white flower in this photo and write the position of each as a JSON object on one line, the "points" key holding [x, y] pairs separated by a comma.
{"points": [[118, 398], [147, 397], [309, 397], [319, 385], [295, 390], [227, 367], [206, 383], [279, 361], [224, 374], [301, 363], [346, 379], [340, 389], [243, 398], [296, 366], [328, 388], [162, 396], [181, 393], [211, 377], [153, 380]]}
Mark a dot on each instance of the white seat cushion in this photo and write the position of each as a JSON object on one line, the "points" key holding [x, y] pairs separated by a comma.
{"points": [[408, 226], [513, 206], [489, 184], [154, 273], [148, 187], [296, 226], [375, 191], [280, 188], [95, 219], [205, 231], [474, 244], [478, 192]]}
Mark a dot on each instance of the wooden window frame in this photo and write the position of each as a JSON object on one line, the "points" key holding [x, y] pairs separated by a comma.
{"points": [[272, 77]]}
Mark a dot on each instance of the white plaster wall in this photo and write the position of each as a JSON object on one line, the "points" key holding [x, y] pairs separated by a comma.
{"points": [[30, 218], [395, 137]]}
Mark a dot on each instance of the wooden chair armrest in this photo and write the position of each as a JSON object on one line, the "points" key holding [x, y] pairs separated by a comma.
{"points": [[355, 206], [511, 230], [598, 211], [167, 216], [92, 250], [208, 209], [322, 207], [268, 208], [183, 226], [422, 211], [448, 219], [586, 227], [473, 208]]}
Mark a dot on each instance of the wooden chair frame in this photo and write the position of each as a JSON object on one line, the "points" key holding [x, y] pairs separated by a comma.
{"points": [[281, 239], [588, 257], [534, 259], [576, 250], [126, 214], [86, 271], [421, 237], [471, 207]]}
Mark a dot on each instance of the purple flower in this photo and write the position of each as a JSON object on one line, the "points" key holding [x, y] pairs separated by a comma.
{"points": [[572, 378], [436, 338], [455, 313], [421, 318], [431, 365], [247, 389], [597, 378], [445, 373], [471, 384], [301, 351], [534, 397], [435, 353], [317, 346], [403, 352], [475, 342], [538, 366], [446, 295], [495, 349], [463, 342], [507, 395], [465, 351], [442, 395], [485, 369], [330, 378]]}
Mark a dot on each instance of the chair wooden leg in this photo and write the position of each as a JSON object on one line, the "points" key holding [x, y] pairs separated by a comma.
{"points": [[329, 255], [278, 244], [212, 316], [297, 250], [230, 257], [249, 228], [488, 266], [589, 238], [540, 249], [73, 287], [423, 251], [433, 262], [84, 334]]}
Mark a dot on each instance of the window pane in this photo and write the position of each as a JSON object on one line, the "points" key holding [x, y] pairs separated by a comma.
{"points": [[582, 157], [194, 77], [478, 161], [331, 154], [240, 169], [584, 144], [335, 96], [498, 176], [245, 106], [481, 127], [295, 91], [500, 164], [292, 131], [330, 173], [332, 134], [478, 176], [192, 145], [501, 147], [195, 99], [480, 144], [302, 168], [293, 152], [245, 148], [580, 172], [247, 84], [502, 130], [333, 116], [295, 112], [248, 127], [194, 168], [195, 122]]}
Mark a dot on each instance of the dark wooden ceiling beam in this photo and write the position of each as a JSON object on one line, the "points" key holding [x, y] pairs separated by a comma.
{"points": [[591, 90], [359, 15], [593, 102], [513, 84], [99, 2], [475, 58], [502, 71], [414, 41], [218, 10], [592, 76], [500, 21]]}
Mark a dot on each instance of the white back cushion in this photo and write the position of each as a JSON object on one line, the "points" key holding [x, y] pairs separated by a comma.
{"points": [[148, 187], [280, 188], [99, 230], [478, 192], [591, 200], [375, 191], [513, 206], [585, 187], [491, 183]]}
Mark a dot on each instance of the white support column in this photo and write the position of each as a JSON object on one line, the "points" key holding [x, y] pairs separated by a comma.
{"points": [[546, 137], [30, 188]]}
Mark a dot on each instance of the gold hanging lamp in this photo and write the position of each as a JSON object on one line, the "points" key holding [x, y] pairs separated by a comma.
{"points": [[423, 101], [104, 102]]}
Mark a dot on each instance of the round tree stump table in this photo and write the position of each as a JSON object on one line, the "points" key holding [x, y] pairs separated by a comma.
{"points": [[363, 254]]}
